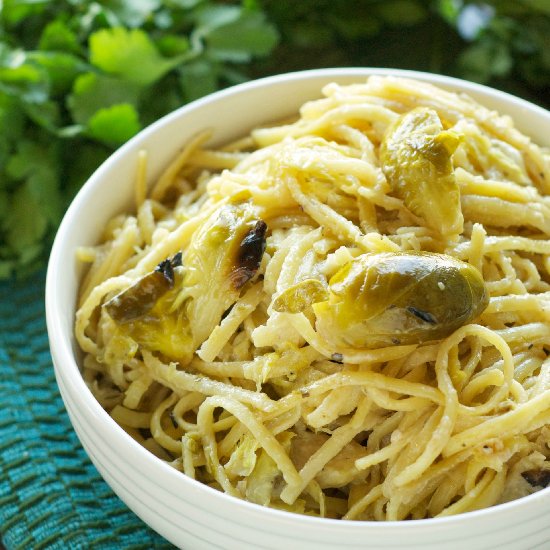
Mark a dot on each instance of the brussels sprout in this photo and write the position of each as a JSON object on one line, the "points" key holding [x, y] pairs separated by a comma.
{"points": [[224, 255], [163, 331], [416, 159], [139, 298], [249, 255], [144, 313], [537, 478], [300, 296], [174, 311], [399, 298]]}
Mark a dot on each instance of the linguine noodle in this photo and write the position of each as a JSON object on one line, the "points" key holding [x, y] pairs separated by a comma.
{"points": [[222, 360]]}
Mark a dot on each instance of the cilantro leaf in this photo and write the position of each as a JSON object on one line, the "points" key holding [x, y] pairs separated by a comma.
{"points": [[21, 79], [58, 37], [114, 125], [45, 115], [129, 54], [236, 35], [92, 92], [15, 11], [482, 61], [36, 165], [61, 69], [211, 17], [198, 79], [25, 223], [172, 44], [132, 14]]}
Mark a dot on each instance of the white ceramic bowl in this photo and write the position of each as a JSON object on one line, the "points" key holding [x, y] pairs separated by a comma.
{"points": [[187, 513]]}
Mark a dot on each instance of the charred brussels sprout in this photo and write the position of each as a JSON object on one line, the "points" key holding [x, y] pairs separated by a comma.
{"points": [[144, 311], [139, 298], [249, 256], [173, 309], [223, 256], [537, 478], [400, 298], [416, 159]]}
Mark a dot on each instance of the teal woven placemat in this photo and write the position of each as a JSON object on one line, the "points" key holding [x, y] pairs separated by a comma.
{"points": [[51, 496]]}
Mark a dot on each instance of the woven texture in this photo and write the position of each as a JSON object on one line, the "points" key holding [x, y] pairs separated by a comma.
{"points": [[51, 496]]}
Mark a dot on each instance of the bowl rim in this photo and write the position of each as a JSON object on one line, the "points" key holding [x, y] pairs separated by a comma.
{"points": [[67, 368]]}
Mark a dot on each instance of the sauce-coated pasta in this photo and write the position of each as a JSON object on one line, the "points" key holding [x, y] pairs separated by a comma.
{"points": [[345, 316]]}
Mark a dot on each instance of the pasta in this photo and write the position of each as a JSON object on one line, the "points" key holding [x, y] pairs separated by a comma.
{"points": [[346, 315]]}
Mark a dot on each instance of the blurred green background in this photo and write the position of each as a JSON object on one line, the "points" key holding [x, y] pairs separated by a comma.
{"points": [[79, 78]]}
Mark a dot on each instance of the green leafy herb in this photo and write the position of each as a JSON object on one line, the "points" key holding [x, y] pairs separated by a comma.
{"points": [[114, 125], [80, 77], [130, 55]]}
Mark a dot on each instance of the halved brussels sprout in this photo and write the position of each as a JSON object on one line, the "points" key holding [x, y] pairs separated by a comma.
{"points": [[537, 478], [224, 255], [399, 298], [416, 159], [249, 255], [139, 298], [173, 311], [143, 312], [299, 297]]}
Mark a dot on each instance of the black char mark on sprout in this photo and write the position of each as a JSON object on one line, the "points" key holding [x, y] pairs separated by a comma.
{"points": [[166, 267], [167, 270], [537, 478], [249, 255], [138, 299], [423, 315], [176, 261]]}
